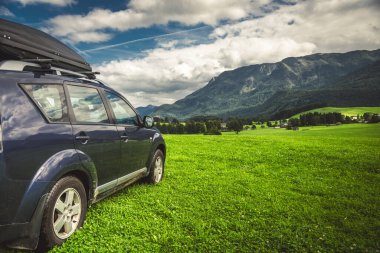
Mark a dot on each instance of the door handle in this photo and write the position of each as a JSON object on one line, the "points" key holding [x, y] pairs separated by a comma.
{"points": [[83, 138]]}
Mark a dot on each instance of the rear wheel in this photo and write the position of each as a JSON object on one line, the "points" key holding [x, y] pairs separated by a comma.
{"points": [[156, 171], [64, 213]]}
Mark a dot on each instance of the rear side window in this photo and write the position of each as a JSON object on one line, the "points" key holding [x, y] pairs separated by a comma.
{"points": [[87, 105], [50, 98], [124, 114]]}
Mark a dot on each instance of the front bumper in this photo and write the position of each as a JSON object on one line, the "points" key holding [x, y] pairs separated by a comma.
{"points": [[24, 235]]}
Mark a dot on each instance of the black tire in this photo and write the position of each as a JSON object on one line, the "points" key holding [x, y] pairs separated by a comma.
{"points": [[62, 190], [154, 176]]}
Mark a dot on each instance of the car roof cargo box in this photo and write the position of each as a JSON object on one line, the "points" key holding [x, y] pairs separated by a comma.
{"points": [[20, 42]]}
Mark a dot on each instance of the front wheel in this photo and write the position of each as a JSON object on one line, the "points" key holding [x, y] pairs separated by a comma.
{"points": [[156, 171], [64, 213]]}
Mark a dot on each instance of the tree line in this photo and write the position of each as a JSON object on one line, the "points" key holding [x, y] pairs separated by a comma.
{"points": [[203, 126], [330, 118], [180, 128], [214, 125]]}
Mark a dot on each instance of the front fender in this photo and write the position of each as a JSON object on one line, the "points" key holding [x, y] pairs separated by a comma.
{"points": [[157, 142], [61, 163]]}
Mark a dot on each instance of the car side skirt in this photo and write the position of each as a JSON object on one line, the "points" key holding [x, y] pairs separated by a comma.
{"points": [[108, 188]]}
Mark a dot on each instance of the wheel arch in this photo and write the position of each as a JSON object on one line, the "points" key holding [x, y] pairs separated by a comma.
{"points": [[30, 211], [162, 147], [66, 162]]}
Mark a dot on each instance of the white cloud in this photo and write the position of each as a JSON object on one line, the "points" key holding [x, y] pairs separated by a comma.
{"points": [[60, 3], [90, 37], [164, 43], [154, 12], [333, 26], [168, 73], [6, 12]]}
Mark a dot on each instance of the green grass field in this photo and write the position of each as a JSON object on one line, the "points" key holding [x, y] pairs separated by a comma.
{"points": [[316, 189], [348, 111]]}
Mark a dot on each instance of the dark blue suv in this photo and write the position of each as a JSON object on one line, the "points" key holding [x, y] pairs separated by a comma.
{"points": [[65, 142]]}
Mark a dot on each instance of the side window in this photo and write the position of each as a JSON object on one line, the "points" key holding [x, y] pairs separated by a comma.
{"points": [[124, 114], [50, 98], [87, 105]]}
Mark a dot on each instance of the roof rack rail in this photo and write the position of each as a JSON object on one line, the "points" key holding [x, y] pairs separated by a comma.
{"points": [[90, 74], [42, 65]]}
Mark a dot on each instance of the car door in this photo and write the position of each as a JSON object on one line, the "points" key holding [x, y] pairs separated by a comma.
{"points": [[94, 134], [136, 140]]}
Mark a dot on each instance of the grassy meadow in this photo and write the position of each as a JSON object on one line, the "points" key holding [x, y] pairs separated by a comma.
{"points": [[348, 111], [264, 190]]}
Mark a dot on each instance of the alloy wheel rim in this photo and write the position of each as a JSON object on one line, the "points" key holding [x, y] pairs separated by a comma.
{"points": [[66, 213], [158, 167]]}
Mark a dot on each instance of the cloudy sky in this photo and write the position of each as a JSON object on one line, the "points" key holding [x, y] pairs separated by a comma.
{"points": [[158, 51]]}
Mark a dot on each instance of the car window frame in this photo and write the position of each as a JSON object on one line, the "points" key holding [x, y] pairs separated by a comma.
{"points": [[139, 120], [35, 103], [71, 110]]}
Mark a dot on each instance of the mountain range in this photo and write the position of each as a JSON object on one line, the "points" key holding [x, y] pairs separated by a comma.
{"points": [[281, 89]]}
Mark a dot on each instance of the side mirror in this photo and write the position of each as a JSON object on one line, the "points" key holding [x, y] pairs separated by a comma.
{"points": [[148, 121]]}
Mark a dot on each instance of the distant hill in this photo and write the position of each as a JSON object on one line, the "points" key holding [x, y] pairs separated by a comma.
{"points": [[282, 89], [348, 111], [146, 110]]}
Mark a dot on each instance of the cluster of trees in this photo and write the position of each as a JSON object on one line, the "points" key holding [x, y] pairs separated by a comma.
{"points": [[371, 117], [316, 118], [213, 127], [235, 125], [244, 121], [190, 127]]}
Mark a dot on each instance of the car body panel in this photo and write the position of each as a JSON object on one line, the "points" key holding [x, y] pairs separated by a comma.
{"points": [[36, 153], [135, 149], [103, 147]]}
